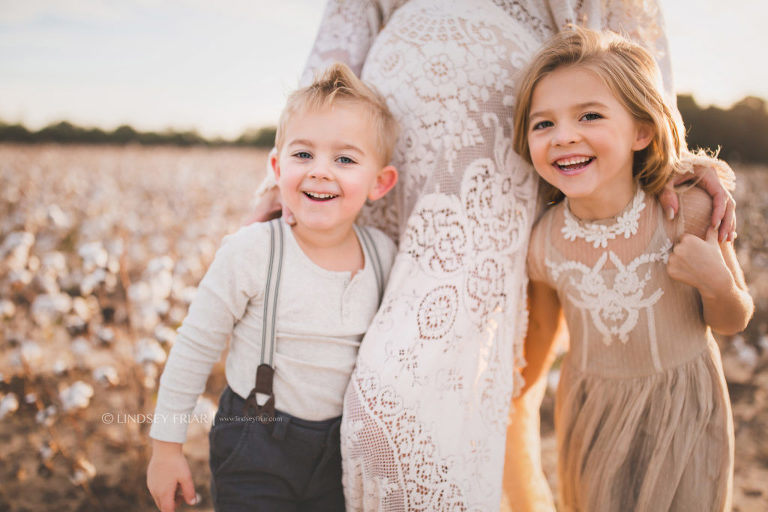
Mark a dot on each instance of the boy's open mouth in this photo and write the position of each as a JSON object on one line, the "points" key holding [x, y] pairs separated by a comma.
{"points": [[573, 163], [320, 197]]}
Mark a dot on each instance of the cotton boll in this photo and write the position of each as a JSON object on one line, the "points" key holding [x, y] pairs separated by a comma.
{"points": [[84, 471], [165, 334], [57, 216], [46, 416], [80, 347], [15, 249], [76, 396], [7, 308], [94, 256], [106, 375], [47, 308], [30, 353], [8, 404], [149, 351]]}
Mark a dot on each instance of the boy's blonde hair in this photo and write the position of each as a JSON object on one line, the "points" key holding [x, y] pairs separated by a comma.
{"points": [[339, 84], [631, 74]]}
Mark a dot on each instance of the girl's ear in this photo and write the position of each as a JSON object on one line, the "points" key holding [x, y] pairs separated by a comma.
{"points": [[385, 180], [643, 136], [274, 163]]}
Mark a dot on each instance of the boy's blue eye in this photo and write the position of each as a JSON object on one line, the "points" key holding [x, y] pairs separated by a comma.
{"points": [[302, 154], [591, 116], [345, 160], [542, 124]]}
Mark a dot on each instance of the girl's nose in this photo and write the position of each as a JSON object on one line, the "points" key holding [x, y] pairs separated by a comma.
{"points": [[565, 134]]}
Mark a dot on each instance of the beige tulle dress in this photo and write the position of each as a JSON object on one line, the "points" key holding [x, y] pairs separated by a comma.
{"points": [[642, 415]]}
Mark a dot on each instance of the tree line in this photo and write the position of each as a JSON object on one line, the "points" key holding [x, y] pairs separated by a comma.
{"points": [[740, 132]]}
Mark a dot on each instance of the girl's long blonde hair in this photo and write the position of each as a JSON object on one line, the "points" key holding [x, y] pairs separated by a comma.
{"points": [[631, 74]]}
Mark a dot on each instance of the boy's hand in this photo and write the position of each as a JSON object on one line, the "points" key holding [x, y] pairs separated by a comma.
{"points": [[167, 471], [699, 263]]}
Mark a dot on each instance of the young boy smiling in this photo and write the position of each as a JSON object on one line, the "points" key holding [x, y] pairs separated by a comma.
{"points": [[334, 141]]}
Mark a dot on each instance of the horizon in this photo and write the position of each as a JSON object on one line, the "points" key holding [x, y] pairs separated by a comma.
{"points": [[155, 66]]}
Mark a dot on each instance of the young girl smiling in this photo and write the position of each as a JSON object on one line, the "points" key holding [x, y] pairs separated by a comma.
{"points": [[642, 414]]}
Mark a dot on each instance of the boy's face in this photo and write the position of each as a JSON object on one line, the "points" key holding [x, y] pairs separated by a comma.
{"points": [[329, 165]]}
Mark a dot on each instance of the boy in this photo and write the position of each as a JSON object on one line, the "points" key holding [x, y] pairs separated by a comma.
{"points": [[334, 141]]}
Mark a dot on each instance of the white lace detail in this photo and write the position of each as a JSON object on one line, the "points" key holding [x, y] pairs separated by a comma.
{"points": [[446, 341], [614, 310], [598, 234]]}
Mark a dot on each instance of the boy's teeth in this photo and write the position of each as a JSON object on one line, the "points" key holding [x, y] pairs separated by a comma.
{"points": [[314, 195]]}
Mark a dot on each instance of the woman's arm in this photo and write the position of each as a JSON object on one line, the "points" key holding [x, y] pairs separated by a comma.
{"points": [[712, 268]]}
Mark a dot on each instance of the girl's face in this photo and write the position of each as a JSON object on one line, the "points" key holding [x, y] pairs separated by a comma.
{"points": [[582, 141]]}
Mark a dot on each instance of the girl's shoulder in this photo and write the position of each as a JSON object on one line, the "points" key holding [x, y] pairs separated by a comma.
{"points": [[550, 213], [695, 211]]}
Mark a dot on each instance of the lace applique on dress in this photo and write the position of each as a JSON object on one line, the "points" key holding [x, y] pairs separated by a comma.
{"points": [[614, 309], [598, 234]]}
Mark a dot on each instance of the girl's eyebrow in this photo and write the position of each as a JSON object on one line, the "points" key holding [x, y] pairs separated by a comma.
{"points": [[580, 106]]}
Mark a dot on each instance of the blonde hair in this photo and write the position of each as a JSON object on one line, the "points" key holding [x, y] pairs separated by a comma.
{"points": [[631, 74], [339, 84]]}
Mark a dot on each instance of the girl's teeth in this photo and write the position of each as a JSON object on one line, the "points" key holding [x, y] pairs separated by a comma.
{"points": [[573, 163]]}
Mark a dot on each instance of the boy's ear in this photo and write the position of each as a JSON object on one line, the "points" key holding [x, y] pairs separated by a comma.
{"points": [[385, 180], [643, 136], [274, 163]]}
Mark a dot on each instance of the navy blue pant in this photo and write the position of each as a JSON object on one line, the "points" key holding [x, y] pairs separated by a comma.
{"points": [[289, 464]]}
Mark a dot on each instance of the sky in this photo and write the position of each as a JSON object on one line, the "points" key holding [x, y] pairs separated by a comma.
{"points": [[223, 67]]}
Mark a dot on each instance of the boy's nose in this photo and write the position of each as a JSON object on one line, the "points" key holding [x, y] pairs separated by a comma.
{"points": [[320, 171]]}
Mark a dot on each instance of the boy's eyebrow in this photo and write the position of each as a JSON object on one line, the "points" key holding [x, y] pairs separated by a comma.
{"points": [[301, 142], [580, 106], [352, 147], [306, 142]]}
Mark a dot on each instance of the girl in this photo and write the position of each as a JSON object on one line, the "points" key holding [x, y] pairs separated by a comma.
{"points": [[642, 414]]}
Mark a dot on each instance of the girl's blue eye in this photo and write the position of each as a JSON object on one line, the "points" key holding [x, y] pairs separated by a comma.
{"points": [[542, 124], [345, 160], [591, 116], [302, 154]]}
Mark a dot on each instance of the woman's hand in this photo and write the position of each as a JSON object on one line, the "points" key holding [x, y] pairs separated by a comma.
{"points": [[269, 204], [723, 204], [268, 207]]}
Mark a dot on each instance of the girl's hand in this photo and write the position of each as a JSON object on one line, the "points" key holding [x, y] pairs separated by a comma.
{"points": [[168, 470], [700, 263], [723, 204]]}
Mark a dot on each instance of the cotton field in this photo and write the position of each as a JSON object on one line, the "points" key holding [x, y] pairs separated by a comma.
{"points": [[100, 252]]}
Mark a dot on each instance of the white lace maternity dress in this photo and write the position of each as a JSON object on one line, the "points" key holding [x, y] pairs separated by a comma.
{"points": [[425, 413]]}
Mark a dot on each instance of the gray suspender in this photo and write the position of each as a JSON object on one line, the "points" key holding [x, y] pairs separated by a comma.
{"points": [[272, 288], [265, 371], [370, 248]]}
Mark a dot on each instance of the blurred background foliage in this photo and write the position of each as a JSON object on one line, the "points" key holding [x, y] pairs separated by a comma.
{"points": [[740, 132]]}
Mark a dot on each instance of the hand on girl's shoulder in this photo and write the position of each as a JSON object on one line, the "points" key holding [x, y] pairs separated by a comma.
{"points": [[695, 210], [696, 257]]}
